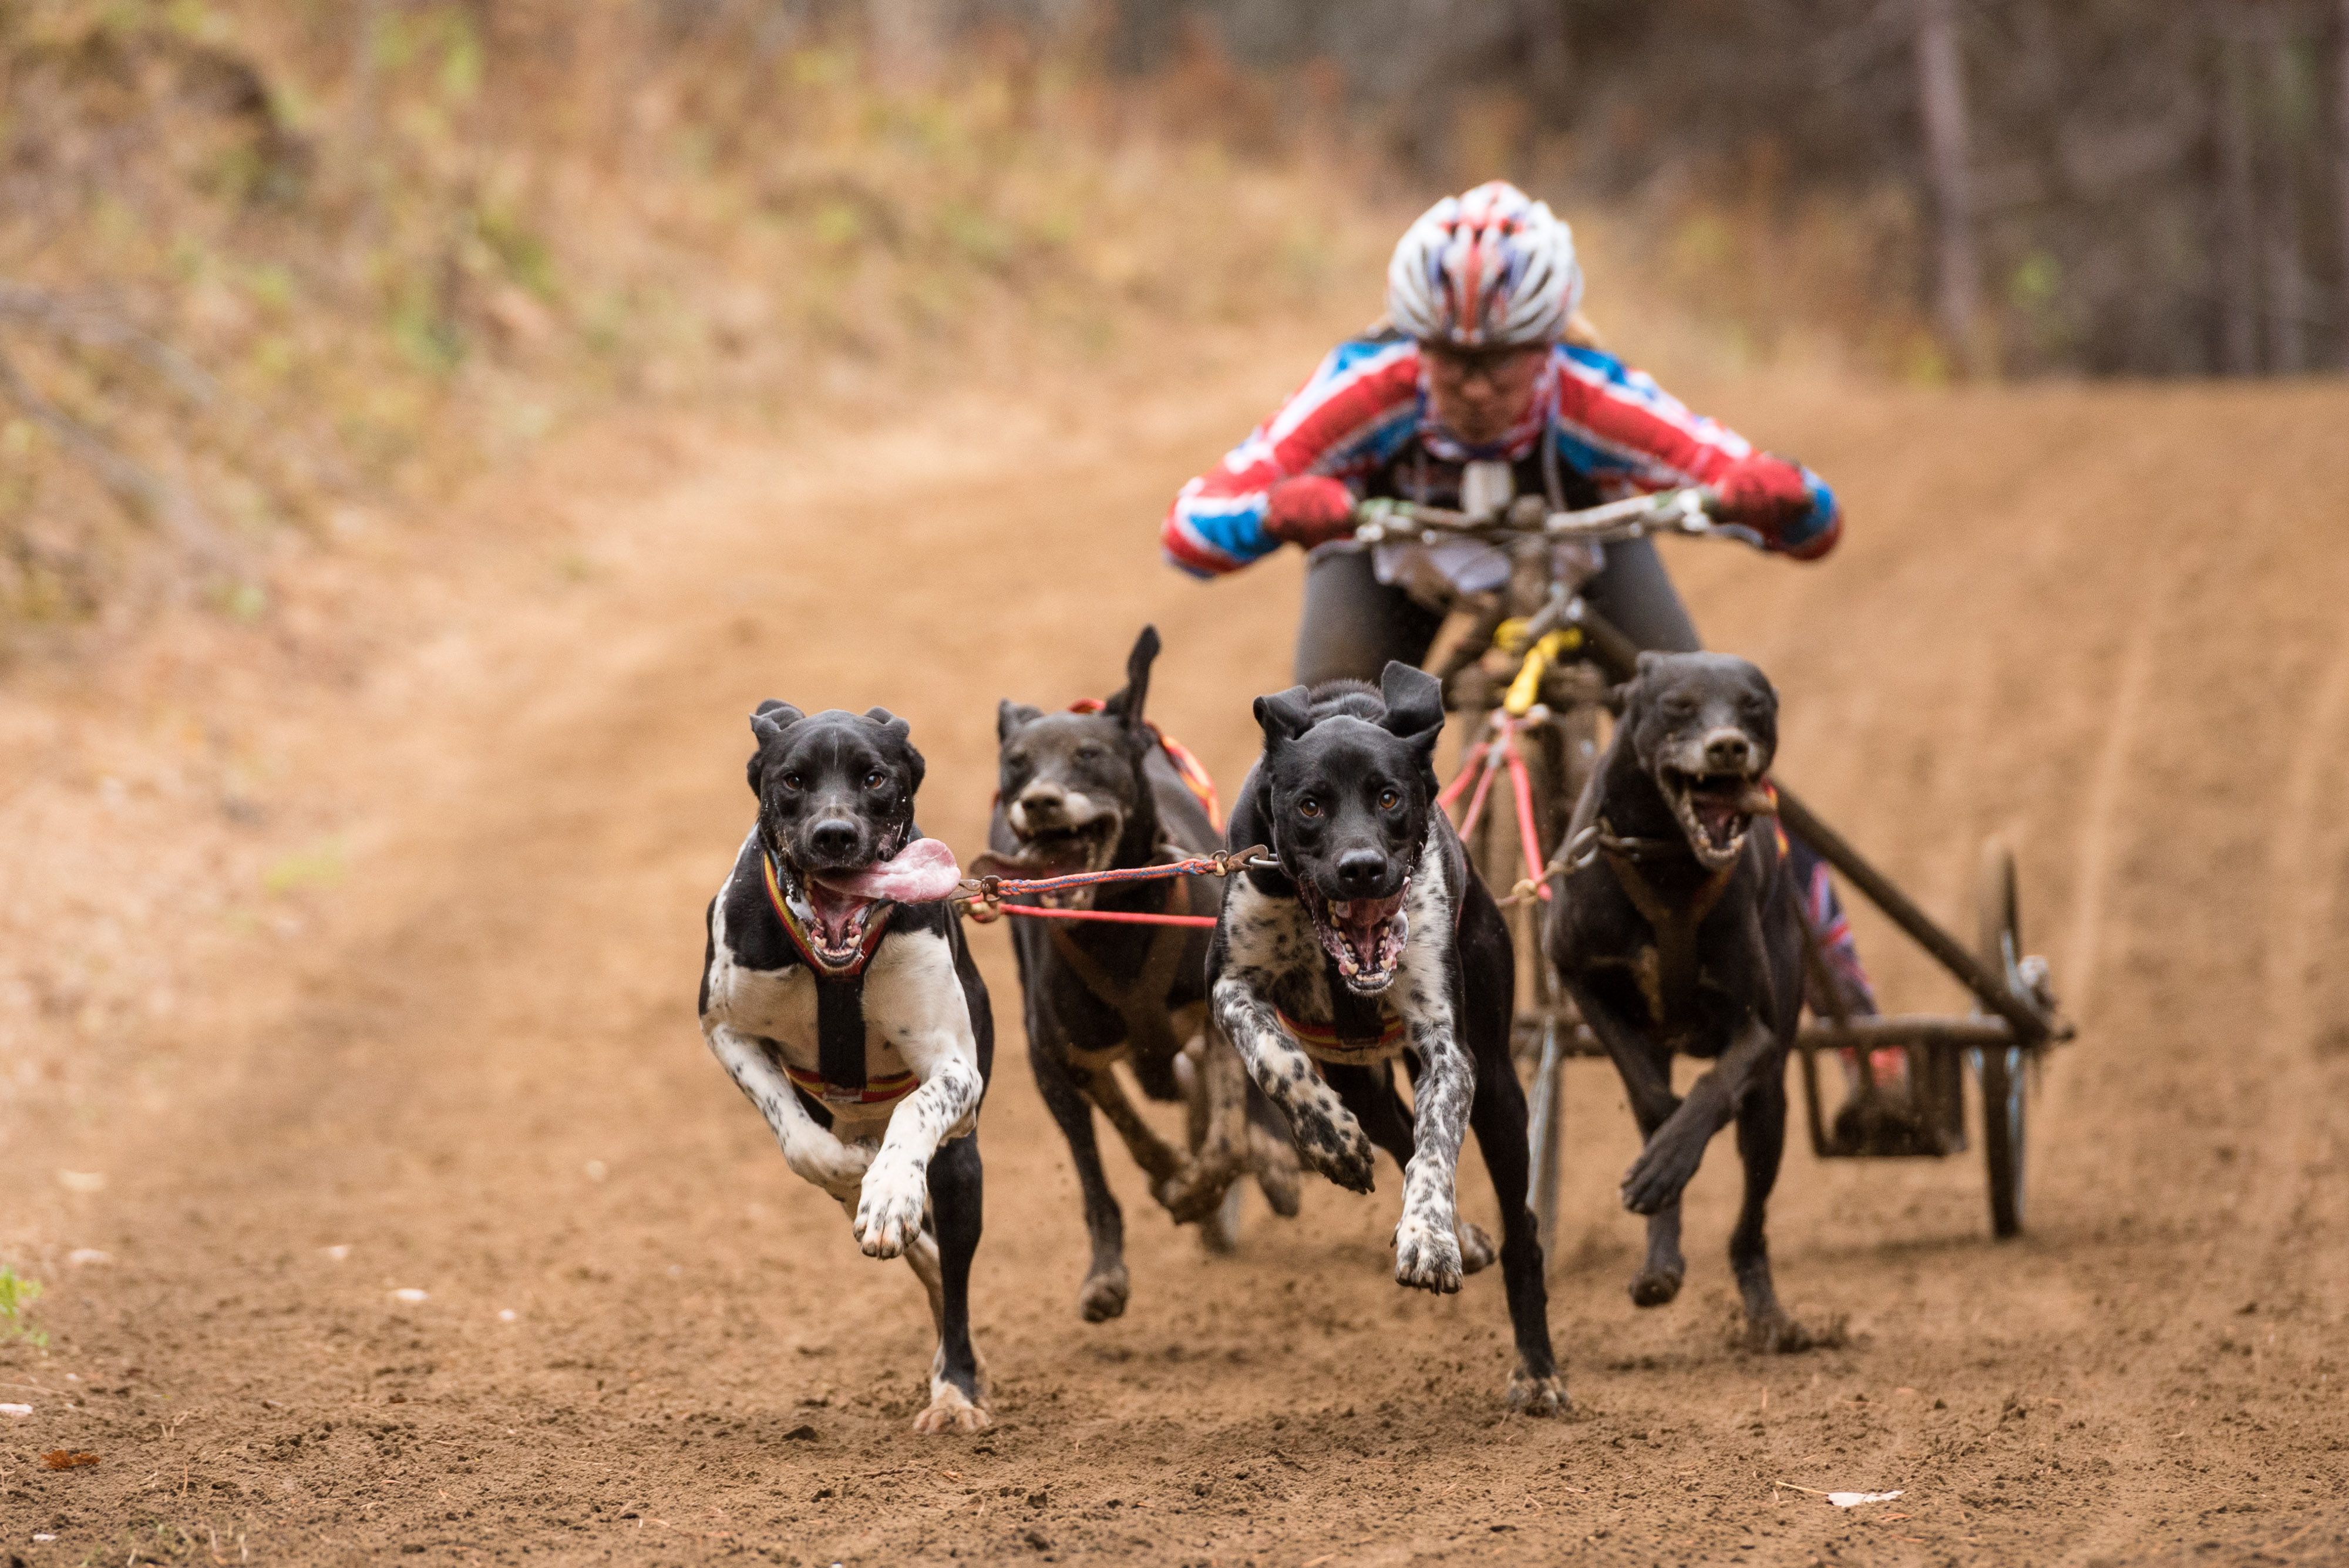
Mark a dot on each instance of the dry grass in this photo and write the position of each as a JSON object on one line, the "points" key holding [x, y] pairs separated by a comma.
{"points": [[391, 245]]}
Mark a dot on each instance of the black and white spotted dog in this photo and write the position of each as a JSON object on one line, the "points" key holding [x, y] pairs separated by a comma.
{"points": [[838, 992], [1375, 939]]}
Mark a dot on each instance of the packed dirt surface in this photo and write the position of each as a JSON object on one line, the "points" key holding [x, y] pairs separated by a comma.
{"points": [[2104, 624]]}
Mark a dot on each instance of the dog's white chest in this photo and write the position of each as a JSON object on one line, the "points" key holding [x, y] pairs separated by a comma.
{"points": [[1274, 939]]}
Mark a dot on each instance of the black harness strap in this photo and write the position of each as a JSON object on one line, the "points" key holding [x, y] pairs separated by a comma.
{"points": [[840, 1029], [1673, 997], [1140, 1002]]}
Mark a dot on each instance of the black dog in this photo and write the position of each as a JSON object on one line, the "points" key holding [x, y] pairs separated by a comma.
{"points": [[1676, 933], [1374, 939], [855, 1021], [1088, 791]]}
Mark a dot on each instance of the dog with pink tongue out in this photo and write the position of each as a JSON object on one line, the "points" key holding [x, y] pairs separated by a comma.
{"points": [[838, 993], [1373, 943]]}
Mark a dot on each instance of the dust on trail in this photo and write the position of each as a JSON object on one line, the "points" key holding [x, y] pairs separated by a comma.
{"points": [[482, 1077]]}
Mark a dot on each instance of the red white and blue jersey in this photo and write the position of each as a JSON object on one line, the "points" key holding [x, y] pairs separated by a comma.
{"points": [[1365, 411]]}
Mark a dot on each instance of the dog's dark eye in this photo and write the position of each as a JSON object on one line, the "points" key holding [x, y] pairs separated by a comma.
{"points": [[1389, 800], [1308, 807], [793, 782], [875, 779], [1089, 754]]}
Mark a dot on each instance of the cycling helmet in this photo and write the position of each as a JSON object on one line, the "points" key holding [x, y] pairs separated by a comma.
{"points": [[1492, 268]]}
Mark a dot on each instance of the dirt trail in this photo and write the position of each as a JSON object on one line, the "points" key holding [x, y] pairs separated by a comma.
{"points": [[2076, 619]]}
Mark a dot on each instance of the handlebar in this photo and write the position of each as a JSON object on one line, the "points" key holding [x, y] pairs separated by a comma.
{"points": [[1688, 511]]}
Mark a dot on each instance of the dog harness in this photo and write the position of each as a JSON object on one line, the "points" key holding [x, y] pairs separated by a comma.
{"points": [[1324, 1043], [886, 1090], [840, 1078], [1670, 986], [1140, 1002]]}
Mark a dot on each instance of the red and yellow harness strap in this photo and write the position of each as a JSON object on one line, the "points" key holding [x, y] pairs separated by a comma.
{"points": [[875, 1092], [873, 930], [1188, 766], [1322, 1038]]}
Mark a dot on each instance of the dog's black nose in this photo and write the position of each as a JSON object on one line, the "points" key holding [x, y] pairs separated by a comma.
{"points": [[1361, 871], [1728, 753], [833, 836]]}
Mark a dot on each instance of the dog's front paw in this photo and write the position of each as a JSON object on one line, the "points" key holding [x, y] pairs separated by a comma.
{"points": [[1663, 1167], [1102, 1296], [1194, 1192], [1477, 1250], [951, 1412], [1537, 1396], [838, 1167], [889, 1208], [1332, 1142], [1427, 1256]]}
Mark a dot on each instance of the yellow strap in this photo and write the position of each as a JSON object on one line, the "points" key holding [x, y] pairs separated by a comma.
{"points": [[1525, 689]]}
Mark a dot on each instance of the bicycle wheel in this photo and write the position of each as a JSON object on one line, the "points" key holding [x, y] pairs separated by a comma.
{"points": [[2000, 945]]}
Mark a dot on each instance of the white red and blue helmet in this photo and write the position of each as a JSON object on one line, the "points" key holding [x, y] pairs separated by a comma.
{"points": [[1493, 269]]}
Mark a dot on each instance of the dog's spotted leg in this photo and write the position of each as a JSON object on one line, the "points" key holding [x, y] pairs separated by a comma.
{"points": [[1427, 1239], [810, 1149], [1326, 1134]]}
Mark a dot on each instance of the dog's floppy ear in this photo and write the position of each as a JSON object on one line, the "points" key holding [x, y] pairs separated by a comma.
{"points": [[1283, 716], [1127, 704], [1414, 701], [1010, 716], [768, 724], [772, 718], [897, 730]]}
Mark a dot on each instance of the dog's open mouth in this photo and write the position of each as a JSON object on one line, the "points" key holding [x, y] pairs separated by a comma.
{"points": [[1057, 850], [1715, 811], [835, 923], [1364, 935]]}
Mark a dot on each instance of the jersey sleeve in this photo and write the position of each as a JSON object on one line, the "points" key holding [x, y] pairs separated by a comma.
{"points": [[1616, 425], [1359, 407]]}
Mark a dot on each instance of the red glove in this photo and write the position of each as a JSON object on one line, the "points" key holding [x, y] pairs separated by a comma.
{"points": [[1311, 509], [1766, 493]]}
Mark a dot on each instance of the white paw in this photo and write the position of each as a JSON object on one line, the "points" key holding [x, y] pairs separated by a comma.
{"points": [[1427, 1256], [838, 1167], [949, 1411], [889, 1208]]}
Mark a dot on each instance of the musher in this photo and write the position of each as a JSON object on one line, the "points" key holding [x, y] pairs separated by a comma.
{"points": [[1483, 360]]}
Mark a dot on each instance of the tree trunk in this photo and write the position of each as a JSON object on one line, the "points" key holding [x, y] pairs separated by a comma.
{"points": [[2239, 215], [1941, 98], [2287, 280], [2341, 178]]}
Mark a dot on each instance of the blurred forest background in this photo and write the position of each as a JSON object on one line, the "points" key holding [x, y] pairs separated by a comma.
{"points": [[274, 270]]}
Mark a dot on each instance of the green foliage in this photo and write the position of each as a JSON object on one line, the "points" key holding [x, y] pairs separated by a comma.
{"points": [[17, 1294]]}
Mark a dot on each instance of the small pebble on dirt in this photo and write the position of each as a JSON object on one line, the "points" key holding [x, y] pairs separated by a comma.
{"points": [[336, 1254], [410, 1295], [85, 1257]]}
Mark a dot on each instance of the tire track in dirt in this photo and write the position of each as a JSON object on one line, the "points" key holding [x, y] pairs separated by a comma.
{"points": [[2092, 872]]}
